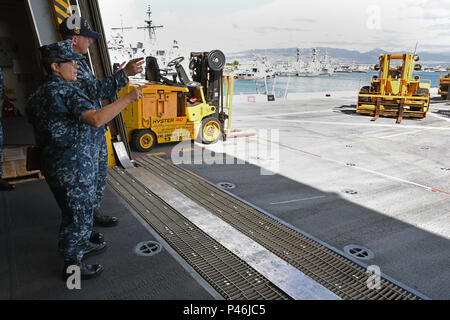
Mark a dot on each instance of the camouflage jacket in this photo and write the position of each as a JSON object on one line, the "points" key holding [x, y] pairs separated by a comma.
{"points": [[1, 83], [100, 89], [55, 110]]}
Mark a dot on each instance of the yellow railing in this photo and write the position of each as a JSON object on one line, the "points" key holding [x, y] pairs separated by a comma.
{"points": [[228, 87]]}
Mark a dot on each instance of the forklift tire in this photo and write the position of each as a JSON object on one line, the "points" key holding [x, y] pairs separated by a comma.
{"points": [[216, 60], [444, 96], [210, 131], [143, 140]]}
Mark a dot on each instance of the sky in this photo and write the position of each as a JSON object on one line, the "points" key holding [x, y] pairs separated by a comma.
{"points": [[239, 25]]}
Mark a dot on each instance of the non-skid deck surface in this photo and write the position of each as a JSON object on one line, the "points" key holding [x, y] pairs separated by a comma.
{"points": [[30, 266]]}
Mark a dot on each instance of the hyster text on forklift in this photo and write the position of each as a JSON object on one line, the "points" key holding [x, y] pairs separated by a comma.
{"points": [[178, 109]]}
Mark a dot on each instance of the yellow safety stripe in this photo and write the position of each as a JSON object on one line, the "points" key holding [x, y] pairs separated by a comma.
{"points": [[61, 15], [59, 10], [61, 7]]}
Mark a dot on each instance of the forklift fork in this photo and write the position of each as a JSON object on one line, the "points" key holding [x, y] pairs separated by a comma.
{"points": [[400, 111], [377, 110]]}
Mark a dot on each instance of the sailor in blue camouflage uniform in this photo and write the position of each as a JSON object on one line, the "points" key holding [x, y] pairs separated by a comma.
{"points": [[4, 185], [97, 90], [66, 124]]}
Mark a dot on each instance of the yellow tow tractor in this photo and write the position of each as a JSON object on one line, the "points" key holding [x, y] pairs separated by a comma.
{"points": [[179, 109], [444, 85], [395, 92]]}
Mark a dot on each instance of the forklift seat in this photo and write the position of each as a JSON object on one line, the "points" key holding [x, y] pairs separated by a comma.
{"points": [[184, 79], [153, 73]]}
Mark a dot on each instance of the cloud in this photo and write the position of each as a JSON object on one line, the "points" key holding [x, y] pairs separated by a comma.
{"points": [[351, 24], [278, 29], [307, 20], [441, 26]]}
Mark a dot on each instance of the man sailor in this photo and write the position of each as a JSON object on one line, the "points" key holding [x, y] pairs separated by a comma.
{"points": [[82, 37]]}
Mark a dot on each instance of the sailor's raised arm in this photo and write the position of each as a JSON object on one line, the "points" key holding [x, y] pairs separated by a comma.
{"points": [[98, 118]]}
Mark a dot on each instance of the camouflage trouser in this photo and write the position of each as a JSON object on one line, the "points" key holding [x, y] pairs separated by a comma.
{"points": [[100, 159], [74, 191], [1, 148]]}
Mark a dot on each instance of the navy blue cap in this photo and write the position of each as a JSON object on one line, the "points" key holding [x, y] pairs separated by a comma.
{"points": [[62, 50], [69, 27]]}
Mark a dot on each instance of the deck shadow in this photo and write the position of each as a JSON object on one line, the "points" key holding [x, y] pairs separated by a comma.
{"points": [[347, 109], [413, 256], [31, 268]]}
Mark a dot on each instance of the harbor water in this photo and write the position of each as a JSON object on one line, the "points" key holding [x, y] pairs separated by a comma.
{"points": [[281, 86]]}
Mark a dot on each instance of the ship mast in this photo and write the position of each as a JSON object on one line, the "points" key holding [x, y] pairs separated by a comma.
{"points": [[117, 39], [149, 25]]}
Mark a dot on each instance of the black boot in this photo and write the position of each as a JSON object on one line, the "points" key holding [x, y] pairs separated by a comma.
{"points": [[88, 271], [94, 249], [101, 220], [6, 186], [97, 237]]}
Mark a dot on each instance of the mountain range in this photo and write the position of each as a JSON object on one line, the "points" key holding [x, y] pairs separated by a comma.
{"points": [[339, 55]]}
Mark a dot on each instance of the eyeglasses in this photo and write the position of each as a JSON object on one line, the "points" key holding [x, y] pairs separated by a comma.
{"points": [[74, 62]]}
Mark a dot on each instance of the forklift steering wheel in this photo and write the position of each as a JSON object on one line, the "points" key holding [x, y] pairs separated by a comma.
{"points": [[175, 62]]}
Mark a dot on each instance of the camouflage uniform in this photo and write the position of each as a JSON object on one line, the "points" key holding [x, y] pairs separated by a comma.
{"points": [[67, 146], [97, 90], [1, 128]]}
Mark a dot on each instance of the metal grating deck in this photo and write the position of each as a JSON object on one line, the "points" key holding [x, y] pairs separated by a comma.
{"points": [[335, 272], [232, 277]]}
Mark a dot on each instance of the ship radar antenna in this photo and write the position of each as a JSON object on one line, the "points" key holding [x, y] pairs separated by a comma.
{"points": [[122, 28]]}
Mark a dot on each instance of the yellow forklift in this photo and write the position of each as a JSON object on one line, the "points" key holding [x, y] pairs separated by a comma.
{"points": [[395, 92], [444, 85], [178, 109]]}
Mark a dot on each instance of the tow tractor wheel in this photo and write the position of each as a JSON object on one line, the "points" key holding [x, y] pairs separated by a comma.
{"points": [[143, 140], [444, 88], [364, 90], [421, 92], [210, 131]]}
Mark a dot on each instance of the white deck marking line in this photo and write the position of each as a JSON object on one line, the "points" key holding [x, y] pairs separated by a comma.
{"points": [[285, 114], [379, 138], [373, 125], [401, 134], [285, 276], [364, 169], [439, 117], [297, 200], [367, 124]]}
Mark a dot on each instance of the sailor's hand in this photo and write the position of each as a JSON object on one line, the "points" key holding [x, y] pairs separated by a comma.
{"points": [[136, 94], [121, 66], [134, 67]]}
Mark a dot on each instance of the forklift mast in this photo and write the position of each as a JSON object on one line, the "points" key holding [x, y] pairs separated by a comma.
{"points": [[207, 69]]}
